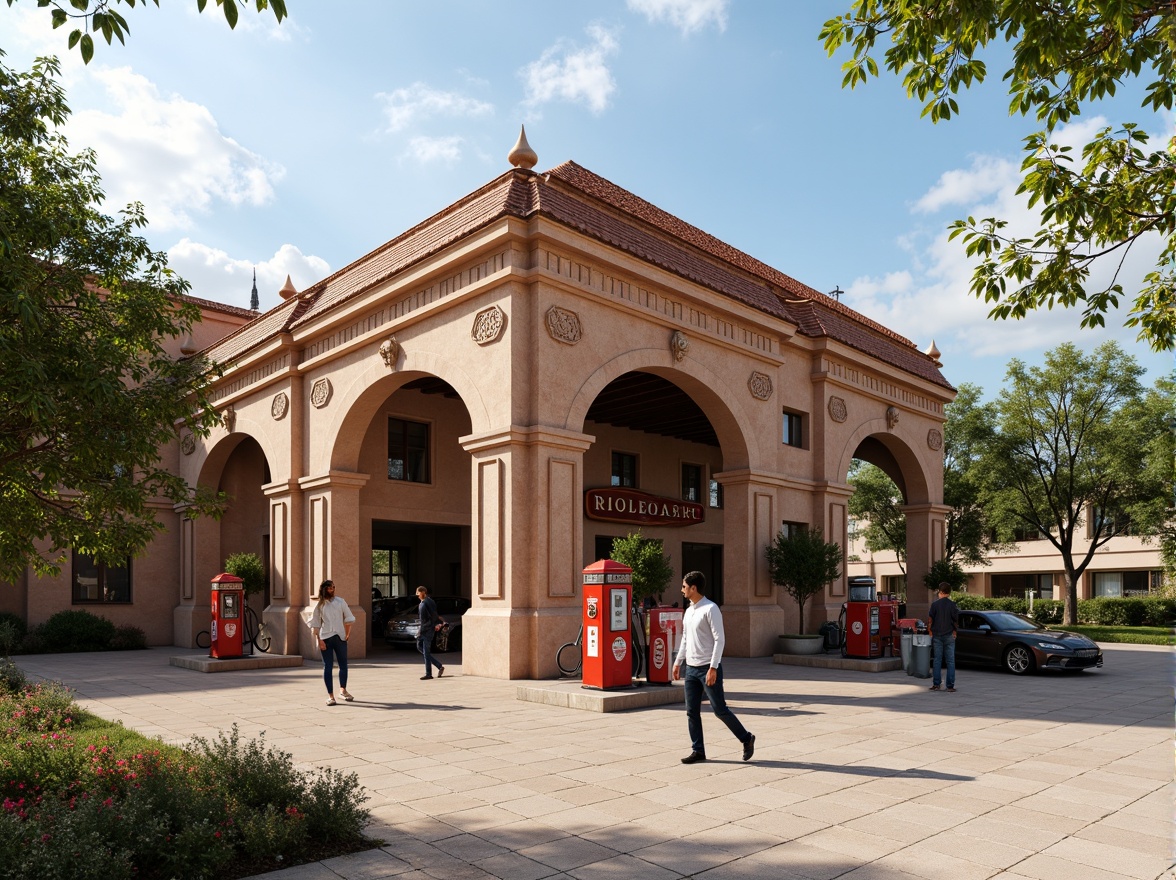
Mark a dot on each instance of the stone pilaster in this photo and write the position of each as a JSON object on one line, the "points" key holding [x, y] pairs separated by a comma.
{"points": [[288, 584], [926, 528], [527, 492]]}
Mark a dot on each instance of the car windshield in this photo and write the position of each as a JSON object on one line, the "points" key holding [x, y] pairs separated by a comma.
{"points": [[1009, 622]]}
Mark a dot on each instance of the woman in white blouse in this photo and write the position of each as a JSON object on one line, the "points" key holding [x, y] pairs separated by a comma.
{"points": [[330, 623]]}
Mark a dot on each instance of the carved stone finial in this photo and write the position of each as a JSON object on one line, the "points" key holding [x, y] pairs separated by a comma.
{"points": [[288, 289], [679, 344], [521, 155], [933, 353], [188, 346]]}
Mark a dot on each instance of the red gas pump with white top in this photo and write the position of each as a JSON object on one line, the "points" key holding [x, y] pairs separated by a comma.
{"points": [[608, 663], [226, 635], [664, 623]]}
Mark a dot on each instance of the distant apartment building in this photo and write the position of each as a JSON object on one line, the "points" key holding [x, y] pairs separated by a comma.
{"points": [[1127, 565]]}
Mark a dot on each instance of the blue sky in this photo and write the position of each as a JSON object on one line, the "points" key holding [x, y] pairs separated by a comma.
{"points": [[297, 148]]}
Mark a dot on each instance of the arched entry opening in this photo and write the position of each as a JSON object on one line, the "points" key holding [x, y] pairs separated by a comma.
{"points": [[414, 509], [653, 438], [895, 529], [238, 466]]}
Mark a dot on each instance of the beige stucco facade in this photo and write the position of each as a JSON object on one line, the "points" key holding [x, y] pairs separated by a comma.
{"points": [[500, 335]]}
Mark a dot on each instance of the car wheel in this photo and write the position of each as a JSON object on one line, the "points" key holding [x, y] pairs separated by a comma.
{"points": [[1018, 660]]}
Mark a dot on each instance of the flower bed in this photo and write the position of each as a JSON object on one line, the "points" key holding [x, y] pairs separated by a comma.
{"points": [[84, 798]]}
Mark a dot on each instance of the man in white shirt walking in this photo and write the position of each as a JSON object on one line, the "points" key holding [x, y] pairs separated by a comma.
{"points": [[700, 664]]}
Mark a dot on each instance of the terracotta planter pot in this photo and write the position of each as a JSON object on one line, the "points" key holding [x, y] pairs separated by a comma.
{"points": [[798, 644]]}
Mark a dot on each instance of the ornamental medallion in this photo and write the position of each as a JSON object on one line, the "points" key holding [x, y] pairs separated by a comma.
{"points": [[320, 393], [488, 325], [837, 410], [279, 406], [563, 325], [760, 386]]}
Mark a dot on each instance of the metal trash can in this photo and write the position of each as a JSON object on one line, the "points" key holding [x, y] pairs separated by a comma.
{"points": [[908, 637], [921, 655], [832, 634]]}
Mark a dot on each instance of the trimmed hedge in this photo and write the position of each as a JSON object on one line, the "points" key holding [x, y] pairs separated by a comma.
{"points": [[70, 632], [1104, 611]]}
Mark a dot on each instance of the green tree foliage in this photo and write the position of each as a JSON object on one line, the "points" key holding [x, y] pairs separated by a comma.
{"points": [[802, 563], [1064, 57], [945, 571], [249, 568], [1075, 440], [102, 18], [968, 539], [89, 395], [876, 504], [651, 567]]}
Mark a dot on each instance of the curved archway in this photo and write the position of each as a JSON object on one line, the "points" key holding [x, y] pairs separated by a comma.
{"points": [[731, 424], [874, 442], [366, 393]]}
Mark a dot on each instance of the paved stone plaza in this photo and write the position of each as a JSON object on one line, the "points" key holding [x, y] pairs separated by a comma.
{"points": [[855, 775]]}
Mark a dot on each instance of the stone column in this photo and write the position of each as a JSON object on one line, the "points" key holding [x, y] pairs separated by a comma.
{"points": [[831, 513], [332, 549], [288, 584], [926, 529], [527, 537], [752, 615]]}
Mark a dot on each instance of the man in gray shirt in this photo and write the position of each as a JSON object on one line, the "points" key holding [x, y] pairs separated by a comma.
{"points": [[700, 664]]}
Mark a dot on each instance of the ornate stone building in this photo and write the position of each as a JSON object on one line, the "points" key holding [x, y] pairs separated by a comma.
{"points": [[438, 411]]}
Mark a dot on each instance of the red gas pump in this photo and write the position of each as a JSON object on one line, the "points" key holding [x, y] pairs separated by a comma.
{"points": [[664, 637], [888, 624], [226, 637], [607, 662]]}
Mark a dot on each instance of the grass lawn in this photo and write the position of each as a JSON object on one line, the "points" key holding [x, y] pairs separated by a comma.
{"points": [[1133, 635]]}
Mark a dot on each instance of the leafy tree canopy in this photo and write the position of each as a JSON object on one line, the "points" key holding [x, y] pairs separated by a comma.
{"points": [[250, 569], [801, 563], [89, 396], [651, 567], [102, 18], [1081, 452], [876, 504], [1064, 57]]}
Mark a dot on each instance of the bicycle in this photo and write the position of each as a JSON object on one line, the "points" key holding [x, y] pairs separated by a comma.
{"points": [[570, 656], [256, 634]]}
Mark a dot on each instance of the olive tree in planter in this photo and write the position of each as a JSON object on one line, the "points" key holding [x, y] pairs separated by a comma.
{"points": [[249, 568], [801, 563], [651, 568]]}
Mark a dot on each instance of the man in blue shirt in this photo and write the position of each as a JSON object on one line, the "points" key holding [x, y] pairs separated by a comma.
{"points": [[700, 664]]}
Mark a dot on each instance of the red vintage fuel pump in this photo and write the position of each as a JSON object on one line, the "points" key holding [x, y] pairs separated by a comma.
{"points": [[608, 662], [226, 636], [664, 637]]}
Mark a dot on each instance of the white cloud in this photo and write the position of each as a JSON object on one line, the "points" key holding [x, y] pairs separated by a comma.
{"points": [[409, 105], [168, 153], [435, 149], [217, 276], [687, 16], [987, 176], [930, 297], [577, 75]]}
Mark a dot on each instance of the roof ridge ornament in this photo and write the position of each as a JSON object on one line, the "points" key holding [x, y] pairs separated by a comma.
{"points": [[934, 353], [288, 289], [521, 155]]}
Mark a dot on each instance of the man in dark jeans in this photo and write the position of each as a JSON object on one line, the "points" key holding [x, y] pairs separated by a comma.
{"points": [[430, 623], [942, 617]]}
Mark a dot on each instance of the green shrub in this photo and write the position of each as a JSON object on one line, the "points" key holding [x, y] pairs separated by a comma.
{"points": [[70, 631], [12, 678], [1048, 611], [128, 638], [13, 629], [250, 569], [1129, 611]]}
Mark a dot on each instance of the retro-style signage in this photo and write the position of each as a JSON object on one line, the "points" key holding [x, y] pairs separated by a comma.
{"points": [[641, 508]]}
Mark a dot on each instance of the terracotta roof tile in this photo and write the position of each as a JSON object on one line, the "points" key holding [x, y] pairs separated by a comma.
{"points": [[573, 196], [219, 307]]}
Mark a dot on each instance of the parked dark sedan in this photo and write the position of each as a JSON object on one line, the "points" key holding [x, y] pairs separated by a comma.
{"points": [[1020, 645], [384, 608], [402, 629]]}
